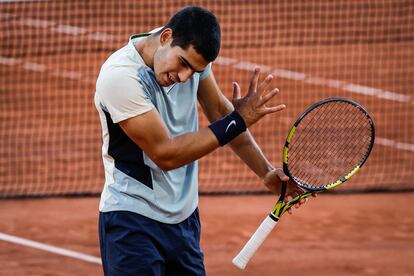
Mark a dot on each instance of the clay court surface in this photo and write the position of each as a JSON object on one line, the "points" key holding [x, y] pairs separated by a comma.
{"points": [[51, 138], [353, 234]]}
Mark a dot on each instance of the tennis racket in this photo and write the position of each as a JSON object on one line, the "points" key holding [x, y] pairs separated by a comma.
{"points": [[326, 146]]}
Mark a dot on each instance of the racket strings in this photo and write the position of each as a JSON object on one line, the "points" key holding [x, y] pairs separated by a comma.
{"points": [[328, 143], [317, 112], [320, 115], [325, 170], [311, 175], [333, 169], [341, 154], [306, 150], [357, 147], [303, 135]]}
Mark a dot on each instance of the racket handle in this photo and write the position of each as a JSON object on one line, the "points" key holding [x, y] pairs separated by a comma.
{"points": [[254, 243]]}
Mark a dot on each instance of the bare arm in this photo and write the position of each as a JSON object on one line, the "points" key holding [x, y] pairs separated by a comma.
{"points": [[149, 132], [215, 105]]}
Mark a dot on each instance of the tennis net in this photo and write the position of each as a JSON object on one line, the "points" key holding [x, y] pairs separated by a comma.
{"points": [[51, 53]]}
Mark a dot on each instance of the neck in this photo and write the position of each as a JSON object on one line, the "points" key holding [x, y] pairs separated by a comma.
{"points": [[146, 48]]}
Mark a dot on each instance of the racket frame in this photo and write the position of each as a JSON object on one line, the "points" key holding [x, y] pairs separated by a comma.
{"points": [[281, 207], [332, 185]]}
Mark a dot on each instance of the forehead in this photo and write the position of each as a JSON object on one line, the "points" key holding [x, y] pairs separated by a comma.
{"points": [[191, 56]]}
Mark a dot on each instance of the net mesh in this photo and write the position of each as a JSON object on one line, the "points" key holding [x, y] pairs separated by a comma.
{"points": [[51, 53], [329, 142]]}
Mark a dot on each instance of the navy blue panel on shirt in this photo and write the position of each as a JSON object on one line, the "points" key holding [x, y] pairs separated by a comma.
{"points": [[128, 156]]}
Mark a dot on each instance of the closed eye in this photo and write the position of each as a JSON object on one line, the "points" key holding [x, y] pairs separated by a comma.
{"points": [[186, 64]]}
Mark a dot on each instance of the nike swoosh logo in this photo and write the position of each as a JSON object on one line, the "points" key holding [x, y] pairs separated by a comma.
{"points": [[233, 122]]}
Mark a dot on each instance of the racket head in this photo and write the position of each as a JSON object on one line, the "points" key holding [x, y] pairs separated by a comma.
{"points": [[328, 144]]}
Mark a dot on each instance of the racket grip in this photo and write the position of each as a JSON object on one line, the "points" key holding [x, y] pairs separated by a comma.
{"points": [[254, 242]]}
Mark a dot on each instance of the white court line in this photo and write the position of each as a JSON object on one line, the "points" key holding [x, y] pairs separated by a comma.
{"points": [[59, 28], [41, 68], [394, 144], [8, 61], [50, 248], [70, 30], [34, 23], [299, 76]]}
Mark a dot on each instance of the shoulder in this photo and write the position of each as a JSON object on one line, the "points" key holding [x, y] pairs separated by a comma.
{"points": [[119, 89], [119, 72]]}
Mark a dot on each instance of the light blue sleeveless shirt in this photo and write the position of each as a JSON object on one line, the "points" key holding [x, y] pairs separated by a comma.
{"points": [[125, 88]]}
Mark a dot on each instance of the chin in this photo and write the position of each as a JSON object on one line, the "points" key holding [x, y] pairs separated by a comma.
{"points": [[163, 84], [160, 82]]}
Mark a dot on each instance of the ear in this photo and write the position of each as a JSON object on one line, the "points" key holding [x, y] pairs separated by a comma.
{"points": [[165, 36]]}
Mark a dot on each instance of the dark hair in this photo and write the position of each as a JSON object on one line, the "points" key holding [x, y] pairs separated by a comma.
{"points": [[197, 27]]}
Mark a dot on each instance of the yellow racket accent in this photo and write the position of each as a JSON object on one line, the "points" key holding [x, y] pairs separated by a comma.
{"points": [[354, 171], [286, 148], [291, 134], [276, 210], [285, 155], [342, 180]]}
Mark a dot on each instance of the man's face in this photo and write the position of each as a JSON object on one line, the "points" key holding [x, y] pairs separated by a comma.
{"points": [[174, 64]]}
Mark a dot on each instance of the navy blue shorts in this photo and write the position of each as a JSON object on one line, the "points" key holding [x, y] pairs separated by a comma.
{"points": [[132, 244]]}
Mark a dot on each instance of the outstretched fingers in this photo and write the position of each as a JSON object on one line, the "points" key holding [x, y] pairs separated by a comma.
{"points": [[254, 81], [236, 91], [271, 109], [252, 106], [264, 99], [264, 84]]}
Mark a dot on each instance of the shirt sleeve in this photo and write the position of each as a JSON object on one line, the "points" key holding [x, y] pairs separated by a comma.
{"points": [[122, 95], [205, 72]]}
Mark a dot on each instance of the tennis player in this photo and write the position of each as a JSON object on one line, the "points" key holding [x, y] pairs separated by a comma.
{"points": [[146, 96]]}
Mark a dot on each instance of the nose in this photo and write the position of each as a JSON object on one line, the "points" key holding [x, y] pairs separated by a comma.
{"points": [[185, 74]]}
